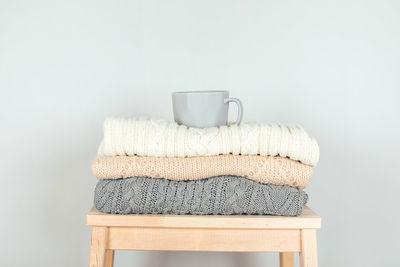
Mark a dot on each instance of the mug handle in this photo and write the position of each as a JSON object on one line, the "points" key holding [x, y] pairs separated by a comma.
{"points": [[240, 108]]}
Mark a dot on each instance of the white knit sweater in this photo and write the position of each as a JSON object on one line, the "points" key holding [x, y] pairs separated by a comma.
{"points": [[159, 138]]}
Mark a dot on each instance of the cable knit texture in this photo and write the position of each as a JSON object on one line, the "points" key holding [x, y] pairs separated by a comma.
{"points": [[227, 195], [158, 138], [262, 169]]}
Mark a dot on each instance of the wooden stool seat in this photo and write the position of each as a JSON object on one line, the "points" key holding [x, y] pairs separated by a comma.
{"points": [[241, 233]]}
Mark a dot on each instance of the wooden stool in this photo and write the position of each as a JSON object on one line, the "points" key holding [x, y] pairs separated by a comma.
{"points": [[204, 233]]}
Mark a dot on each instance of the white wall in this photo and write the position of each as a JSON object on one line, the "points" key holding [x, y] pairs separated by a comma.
{"points": [[331, 66]]}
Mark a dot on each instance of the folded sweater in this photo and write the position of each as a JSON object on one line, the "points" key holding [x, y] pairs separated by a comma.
{"points": [[227, 195], [158, 138], [262, 169]]}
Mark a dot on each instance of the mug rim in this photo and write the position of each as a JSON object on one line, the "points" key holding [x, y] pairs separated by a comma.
{"points": [[199, 92]]}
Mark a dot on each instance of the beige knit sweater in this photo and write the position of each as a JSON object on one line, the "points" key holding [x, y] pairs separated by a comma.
{"points": [[262, 169]]}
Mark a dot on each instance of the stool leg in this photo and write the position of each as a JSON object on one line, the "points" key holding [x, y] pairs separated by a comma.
{"points": [[98, 247], [308, 254], [109, 258], [286, 259]]}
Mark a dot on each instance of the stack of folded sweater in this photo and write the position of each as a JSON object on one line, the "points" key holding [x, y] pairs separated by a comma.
{"points": [[157, 167]]}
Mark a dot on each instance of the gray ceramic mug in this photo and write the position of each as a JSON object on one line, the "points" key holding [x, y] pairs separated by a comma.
{"points": [[201, 109]]}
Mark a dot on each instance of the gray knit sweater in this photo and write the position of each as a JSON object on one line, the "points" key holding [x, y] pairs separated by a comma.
{"points": [[227, 195]]}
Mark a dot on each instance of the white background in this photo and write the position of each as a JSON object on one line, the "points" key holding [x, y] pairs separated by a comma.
{"points": [[330, 66]]}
